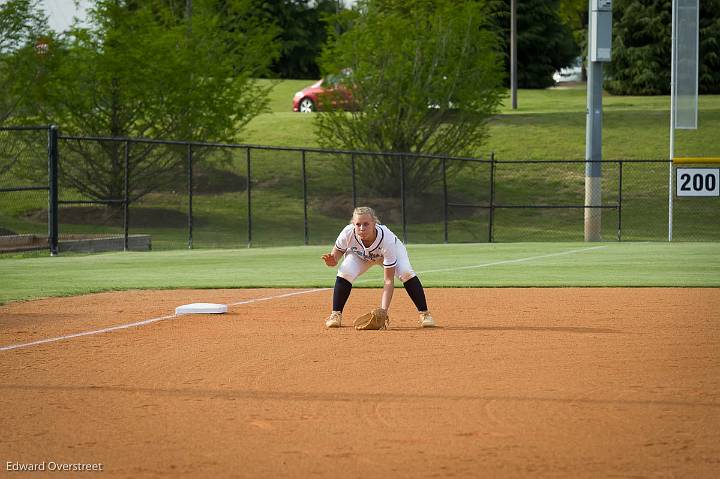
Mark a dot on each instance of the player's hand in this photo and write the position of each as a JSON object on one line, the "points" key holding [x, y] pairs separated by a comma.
{"points": [[329, 259]]}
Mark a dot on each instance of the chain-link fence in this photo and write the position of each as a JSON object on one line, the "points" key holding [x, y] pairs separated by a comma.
{"points": [[696, 208], [123, 193], [545, 200], [91, 195], [24, 188]]}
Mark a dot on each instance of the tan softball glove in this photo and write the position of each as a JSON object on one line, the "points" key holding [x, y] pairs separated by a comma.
{"points": [[375, 319]]}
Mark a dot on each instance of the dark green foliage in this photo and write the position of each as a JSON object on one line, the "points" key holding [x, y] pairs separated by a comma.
{"points": [[642, 48], [544, 43], [302, 35], [709, 73], [574, 14]]}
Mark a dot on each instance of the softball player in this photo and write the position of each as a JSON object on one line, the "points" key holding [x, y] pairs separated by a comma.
{"points": [[366, 242]]}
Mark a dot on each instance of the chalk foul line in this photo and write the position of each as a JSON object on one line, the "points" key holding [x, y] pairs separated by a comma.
{"points": [[510, 261], [146, 321], [495, 263], [270, 298]]}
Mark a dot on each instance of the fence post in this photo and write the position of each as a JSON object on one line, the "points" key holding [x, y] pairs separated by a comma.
{"points": [[126, 197], [354, 187], [305, 205], [619, 221], [249, 197], [402, 198], [491, 219], [190, 195], [445, 199], [53, 156]]}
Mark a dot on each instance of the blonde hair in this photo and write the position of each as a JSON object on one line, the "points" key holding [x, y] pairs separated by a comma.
{"points": [[364, 210]]}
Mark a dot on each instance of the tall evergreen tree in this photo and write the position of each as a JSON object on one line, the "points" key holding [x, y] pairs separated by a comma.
{"points": [[642, 47], [302, 35], [544, 43], [574, 14]]}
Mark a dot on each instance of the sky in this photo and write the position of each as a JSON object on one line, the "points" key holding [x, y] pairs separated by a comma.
{"points": [[61, 12]]}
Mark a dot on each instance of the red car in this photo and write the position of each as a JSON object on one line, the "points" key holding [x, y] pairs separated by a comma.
{"points": [[319, 95]]}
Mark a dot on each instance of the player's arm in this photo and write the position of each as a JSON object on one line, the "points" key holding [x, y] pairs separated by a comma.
{"points": [[388, 287], [332, 258]]}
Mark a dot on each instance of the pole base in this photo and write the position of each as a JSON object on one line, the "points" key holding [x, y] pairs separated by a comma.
{"points": [[593, 216]]}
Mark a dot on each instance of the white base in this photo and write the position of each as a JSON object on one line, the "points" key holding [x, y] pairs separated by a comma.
{"points": [[201, 308]]}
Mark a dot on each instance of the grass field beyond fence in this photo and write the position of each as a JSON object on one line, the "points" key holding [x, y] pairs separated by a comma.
{"points": [[548, 125], [465, 265]]}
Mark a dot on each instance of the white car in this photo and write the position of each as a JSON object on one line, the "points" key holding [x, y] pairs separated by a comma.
{"points": [[572, 73]]}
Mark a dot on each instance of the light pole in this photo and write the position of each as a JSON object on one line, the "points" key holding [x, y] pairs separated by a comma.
{"points": [[599, 45], [513, 53]]}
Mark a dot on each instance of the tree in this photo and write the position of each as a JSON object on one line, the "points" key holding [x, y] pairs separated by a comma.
{"points": [[23, 40], [544, 42], [426, 77], [152, 69], [23, 37], [302, 35], [574, 15], [642, 47]]}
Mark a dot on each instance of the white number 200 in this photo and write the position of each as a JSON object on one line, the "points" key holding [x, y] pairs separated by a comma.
{"points": [[698, 182]]}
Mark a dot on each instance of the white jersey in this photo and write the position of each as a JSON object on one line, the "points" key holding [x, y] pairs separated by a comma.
{"points": [[385, 246]]}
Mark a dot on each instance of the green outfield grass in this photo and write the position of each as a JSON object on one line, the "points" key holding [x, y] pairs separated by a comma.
{"points": [[465, 265]]}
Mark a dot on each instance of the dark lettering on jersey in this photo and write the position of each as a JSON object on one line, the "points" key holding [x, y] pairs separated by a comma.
{"points": [[369, 256]]}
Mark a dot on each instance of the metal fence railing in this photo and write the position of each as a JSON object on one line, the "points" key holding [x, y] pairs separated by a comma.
{"points": [[90, 193], [28, 162]]}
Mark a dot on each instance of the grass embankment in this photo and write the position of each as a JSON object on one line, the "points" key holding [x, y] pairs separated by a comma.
{"points": [[548, 125]]}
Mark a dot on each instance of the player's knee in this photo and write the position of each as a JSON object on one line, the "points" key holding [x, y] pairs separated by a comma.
{"points": [[407, 276], [347, 277]]}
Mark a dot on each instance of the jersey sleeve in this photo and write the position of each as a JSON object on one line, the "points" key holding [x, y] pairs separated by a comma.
{"points": [[389, 251], [342, 242]]}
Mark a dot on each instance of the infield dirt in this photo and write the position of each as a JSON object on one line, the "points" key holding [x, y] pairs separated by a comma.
{"points": [[514, 383]]}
